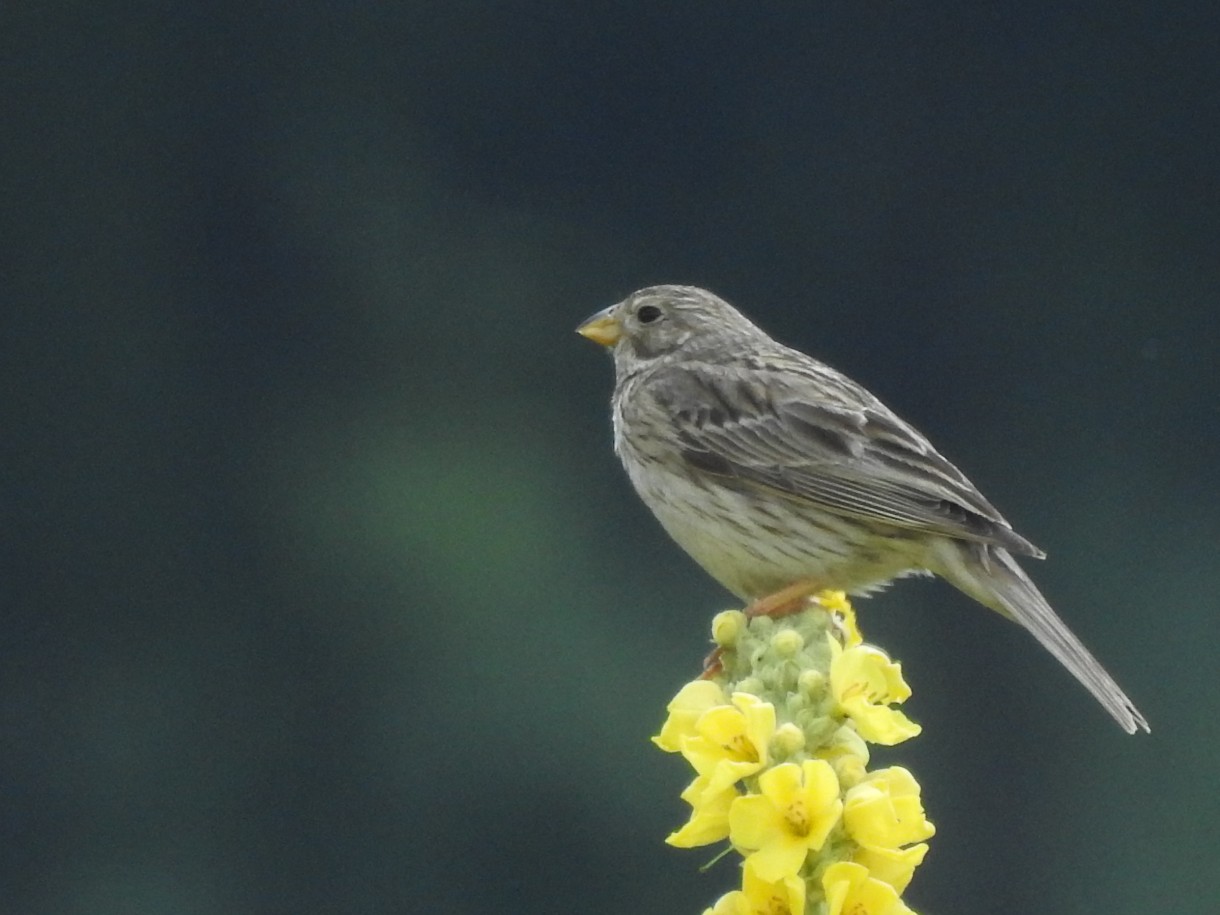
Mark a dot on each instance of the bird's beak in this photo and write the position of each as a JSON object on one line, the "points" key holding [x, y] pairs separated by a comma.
{"points": [[602, 328]]}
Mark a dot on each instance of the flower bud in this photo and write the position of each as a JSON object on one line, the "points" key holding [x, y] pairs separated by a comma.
{"points": [[812, 683], [787, 643], [788, 739], [727, 627], [752, 685]]}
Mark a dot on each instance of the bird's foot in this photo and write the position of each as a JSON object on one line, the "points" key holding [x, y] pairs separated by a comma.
{"points": [[785, 601], [712, 664]]}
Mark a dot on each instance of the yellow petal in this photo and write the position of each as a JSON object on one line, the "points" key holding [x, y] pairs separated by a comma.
{"points": [[731, 740], [820, 800], [760, 722], [709, 819], [864, 682], [684, 709], [895, 866], [885, 726], [734, 903], [837, 603], [785, 896], [851, 891], [884, 811], [868, 673], [793, 814], [781, 784], [753, 821], [780, 858]]}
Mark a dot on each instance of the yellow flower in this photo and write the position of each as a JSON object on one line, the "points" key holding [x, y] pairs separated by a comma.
{"points": [[895, 866], [836, 603], [864, 682], [762, 897], [709, 817], [884, 811], [733, 903], [795, 811], [851, 891], [796, 800], [684, 709], [785, 896], [730, 741]]}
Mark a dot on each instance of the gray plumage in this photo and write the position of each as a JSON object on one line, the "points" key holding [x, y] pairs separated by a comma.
{"points": [[770, 468]]}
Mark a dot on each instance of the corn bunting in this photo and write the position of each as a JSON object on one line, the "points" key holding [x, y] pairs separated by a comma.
{"points": [[782, 477]]}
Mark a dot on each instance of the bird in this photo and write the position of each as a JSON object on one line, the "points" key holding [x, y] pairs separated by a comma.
{"points": [[782, 477]]}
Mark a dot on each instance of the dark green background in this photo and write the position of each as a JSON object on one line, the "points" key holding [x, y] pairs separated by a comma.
{"points": [[322, 589]]}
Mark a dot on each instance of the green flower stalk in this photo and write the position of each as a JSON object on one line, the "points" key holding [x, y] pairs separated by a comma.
{"points": [[778, 738]]}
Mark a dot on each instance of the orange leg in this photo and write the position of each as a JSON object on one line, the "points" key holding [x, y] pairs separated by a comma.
{"points": [[785, 601]]}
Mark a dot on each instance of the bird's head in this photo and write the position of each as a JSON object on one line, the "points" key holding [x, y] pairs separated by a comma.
{"points": [[662, 320]]}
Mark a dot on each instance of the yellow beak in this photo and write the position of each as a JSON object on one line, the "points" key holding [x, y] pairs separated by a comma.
{"points": [[602, 328]]}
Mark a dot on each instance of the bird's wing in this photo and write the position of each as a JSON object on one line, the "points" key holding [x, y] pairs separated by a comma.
{"points": [[812, 435]]}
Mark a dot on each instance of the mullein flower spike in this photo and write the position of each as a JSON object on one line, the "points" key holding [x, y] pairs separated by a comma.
{"points": [[778, 740]]}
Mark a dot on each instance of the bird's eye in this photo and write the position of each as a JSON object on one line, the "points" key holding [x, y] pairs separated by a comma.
{"points": [[647, 314]]}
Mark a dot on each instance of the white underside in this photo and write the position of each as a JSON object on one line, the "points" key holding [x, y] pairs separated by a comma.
{"points": [[754, 546]]}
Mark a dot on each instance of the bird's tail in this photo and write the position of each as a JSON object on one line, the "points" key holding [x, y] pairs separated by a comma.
{"points": [[992, 577]]}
